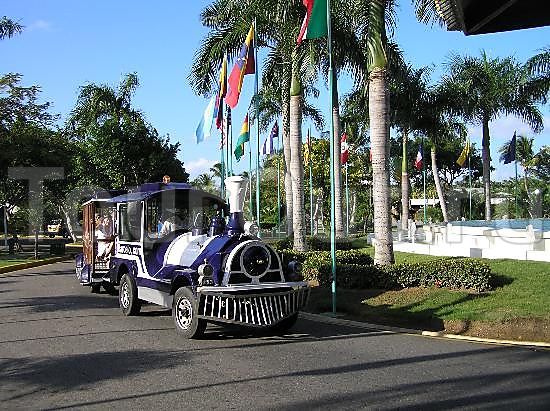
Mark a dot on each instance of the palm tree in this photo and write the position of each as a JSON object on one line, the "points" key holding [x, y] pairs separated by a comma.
{"points": [[277, 24], [408, 93], [105, 121], [486, 88], [205, 182], [274, 101], [8, 28], [347, 55], [539, 67], [375, 12]]}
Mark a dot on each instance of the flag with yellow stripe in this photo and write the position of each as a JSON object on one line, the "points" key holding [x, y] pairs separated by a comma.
{"points": [[464, 155]]}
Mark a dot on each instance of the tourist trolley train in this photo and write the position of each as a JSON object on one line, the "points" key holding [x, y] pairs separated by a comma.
{"points": [[170, 245]]}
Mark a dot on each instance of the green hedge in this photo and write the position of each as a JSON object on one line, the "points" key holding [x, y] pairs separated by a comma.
{"points": [[313, 260], [455, 273], [314, 243], [467, 273]]}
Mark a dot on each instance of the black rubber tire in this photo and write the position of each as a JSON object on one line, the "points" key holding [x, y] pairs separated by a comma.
{"points": [[128, 296], [286, 324], [185, 310], [96, 288], [110, 288]]}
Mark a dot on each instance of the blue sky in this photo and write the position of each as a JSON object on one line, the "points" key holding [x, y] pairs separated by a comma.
{"points": [[68, 43]]}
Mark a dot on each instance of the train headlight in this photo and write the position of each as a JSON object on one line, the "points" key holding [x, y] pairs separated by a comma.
{"points": [[206, 271], [251, 229], [255, 260]]}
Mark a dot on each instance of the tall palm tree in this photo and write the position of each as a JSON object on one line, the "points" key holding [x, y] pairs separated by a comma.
{"points": [[104, 117], [347, 56], [489, 87], [376, 40], [8, 28], [539, 67], [274, 101], [277, 25], [408, 93]]}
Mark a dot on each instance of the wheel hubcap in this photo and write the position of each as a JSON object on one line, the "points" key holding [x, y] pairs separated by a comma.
{"points": [[125, 295], [184, 313]]}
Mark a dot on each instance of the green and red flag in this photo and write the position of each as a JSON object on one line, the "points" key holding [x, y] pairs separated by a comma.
{"points": [[315, 22], [245, 64], [243, 138]]}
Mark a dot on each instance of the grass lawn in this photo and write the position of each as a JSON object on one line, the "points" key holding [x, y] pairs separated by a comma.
{"points": [[6, 260], [516, 308]]}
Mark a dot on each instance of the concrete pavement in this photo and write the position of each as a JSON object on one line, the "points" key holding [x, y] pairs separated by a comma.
{"points": [[62, 347]]}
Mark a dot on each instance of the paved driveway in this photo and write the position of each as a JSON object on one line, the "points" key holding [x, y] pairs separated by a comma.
{"points": [[62, 347]]}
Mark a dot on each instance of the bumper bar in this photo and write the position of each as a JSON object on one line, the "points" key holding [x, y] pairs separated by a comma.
{"points": [[257, 310]]}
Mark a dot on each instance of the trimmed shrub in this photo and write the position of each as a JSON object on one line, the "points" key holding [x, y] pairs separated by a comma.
{"points": [[455, 273], [313, 260]]}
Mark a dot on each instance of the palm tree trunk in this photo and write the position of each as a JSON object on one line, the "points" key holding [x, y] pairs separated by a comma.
{"points": [[486, 158], [338, 209], [438, 186], [404, 185], [69, 223], [530, 201], [379, 133], [297, 172], [287, 153]]}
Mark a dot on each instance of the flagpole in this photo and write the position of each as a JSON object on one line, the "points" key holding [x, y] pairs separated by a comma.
{"points": [[250, 176], [332, 191], [227, 142], [470, 181], [424, 181], [310, 182], [257, 130], [231, 147], [222, 170], [516, 186], [278, 188], [347, 201]]}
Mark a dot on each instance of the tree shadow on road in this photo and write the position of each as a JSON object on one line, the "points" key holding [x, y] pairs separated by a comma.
{"points": [[61, 303], [77, 371]]}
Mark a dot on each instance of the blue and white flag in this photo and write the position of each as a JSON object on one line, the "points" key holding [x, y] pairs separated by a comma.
{"points": [[205, 125]]}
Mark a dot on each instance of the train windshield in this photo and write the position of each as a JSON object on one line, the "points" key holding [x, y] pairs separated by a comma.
{"points": [[179, 210]]}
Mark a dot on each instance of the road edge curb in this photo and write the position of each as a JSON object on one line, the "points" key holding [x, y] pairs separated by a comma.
{"points": [[422, 333], [32, 264]]}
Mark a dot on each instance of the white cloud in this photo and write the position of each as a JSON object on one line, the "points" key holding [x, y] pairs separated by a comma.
{"points": [[39, 25], [198, 166]]}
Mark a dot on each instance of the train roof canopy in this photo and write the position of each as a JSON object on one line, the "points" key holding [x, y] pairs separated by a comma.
{"points": [[493, 16], [147, 190]]}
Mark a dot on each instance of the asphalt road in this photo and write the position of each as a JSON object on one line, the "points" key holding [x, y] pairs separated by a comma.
{"points": [[63, 347]]}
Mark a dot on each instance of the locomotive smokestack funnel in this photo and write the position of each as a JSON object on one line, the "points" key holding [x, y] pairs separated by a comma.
{"points": [[236, 189]]}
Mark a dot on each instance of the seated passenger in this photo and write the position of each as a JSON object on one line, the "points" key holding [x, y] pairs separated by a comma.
{"points": [[168, 226], [104, 234]]}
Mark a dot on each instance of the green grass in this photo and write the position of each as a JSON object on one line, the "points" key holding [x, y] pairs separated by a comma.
{"points": [[7, 260], [521, 291]]}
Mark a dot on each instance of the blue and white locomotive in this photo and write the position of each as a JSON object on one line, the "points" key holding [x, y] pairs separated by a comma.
{"points": [[171, 246]]}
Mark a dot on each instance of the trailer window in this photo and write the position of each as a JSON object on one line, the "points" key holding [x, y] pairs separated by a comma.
{"points": [[130, 221]]}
